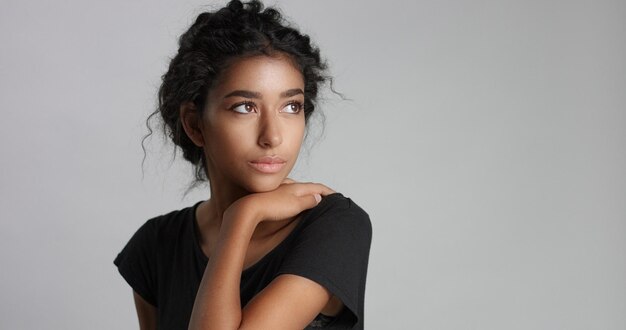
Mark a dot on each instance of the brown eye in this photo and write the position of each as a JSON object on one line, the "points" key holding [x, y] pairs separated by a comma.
{"points": [[246, 107], [293, 107]]}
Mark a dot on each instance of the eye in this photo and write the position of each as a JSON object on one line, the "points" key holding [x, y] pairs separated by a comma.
{"points": [[244, 107], [293, 107]]}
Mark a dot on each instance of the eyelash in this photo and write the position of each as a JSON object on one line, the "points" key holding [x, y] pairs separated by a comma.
{"points": [[236, 105], [299, 106]]}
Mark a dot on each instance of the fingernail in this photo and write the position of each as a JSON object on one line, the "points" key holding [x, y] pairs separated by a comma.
{"points": [[318, 197]]}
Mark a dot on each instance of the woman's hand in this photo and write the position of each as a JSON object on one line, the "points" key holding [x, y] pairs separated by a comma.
{"points": [[288, 200]]}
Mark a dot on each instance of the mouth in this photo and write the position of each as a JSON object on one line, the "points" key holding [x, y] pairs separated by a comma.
{"points": [[268, 164]]}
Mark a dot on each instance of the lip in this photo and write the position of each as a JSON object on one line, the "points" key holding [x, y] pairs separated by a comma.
{"points": [[268, 164]]}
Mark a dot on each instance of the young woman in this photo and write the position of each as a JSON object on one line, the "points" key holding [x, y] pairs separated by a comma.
{"points": [[263, 252]]}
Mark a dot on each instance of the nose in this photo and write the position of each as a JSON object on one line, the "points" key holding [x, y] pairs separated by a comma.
{"points": [[269, 132]]}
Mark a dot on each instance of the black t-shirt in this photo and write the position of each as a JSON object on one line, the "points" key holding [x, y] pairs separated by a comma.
{"points": [[163, 261]]}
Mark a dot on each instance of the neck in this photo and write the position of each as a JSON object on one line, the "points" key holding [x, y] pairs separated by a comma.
{"points": [[221, 199], [223, 195], [212, 214]]}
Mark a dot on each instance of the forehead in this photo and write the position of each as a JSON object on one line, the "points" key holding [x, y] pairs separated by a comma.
{"points": [[262, 73]]}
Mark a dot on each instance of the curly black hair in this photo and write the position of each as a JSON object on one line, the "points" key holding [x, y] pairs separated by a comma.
{"points": [[214, 41]]}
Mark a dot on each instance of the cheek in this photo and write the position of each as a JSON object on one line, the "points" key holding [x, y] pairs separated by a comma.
{"points": [[300, 135], [302, 129], [220, 130], [221, 142], [227, 141], [297, 136]]}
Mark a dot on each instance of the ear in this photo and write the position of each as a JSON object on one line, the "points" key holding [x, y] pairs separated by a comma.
{"points": [[191, 119]]}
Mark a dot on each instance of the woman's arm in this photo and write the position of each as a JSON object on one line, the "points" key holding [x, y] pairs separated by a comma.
{"points": [[145, 312], [289, 301]]}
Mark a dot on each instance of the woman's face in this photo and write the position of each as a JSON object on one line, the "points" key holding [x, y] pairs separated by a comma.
{"points": [[254, 123]]}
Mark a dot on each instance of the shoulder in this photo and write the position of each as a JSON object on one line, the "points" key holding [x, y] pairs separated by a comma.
{"points": [[169, 223], [339, 202], [332, 249], [138, 262], [337, 222], [164, 228], [338, 211]]}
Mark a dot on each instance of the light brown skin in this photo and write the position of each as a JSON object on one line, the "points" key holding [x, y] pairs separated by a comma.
{"points": [[249, 212]]}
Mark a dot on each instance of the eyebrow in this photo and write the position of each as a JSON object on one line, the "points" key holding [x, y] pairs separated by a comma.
{"points": [[291, 92], [257, 95]]}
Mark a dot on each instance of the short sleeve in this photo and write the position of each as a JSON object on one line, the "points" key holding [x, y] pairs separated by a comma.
{"points": [[137, 262], [333, 250]]}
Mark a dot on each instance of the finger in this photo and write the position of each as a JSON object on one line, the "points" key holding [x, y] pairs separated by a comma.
{"points": [[288, 181], [309, 201], [318, 198], [325, 191], [314, 188]]}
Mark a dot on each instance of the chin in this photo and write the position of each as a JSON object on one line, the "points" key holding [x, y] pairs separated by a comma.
{"points": [[264, 185]]}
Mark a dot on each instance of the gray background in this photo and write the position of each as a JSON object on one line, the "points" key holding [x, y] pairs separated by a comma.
{"points": [[486, 139]]}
